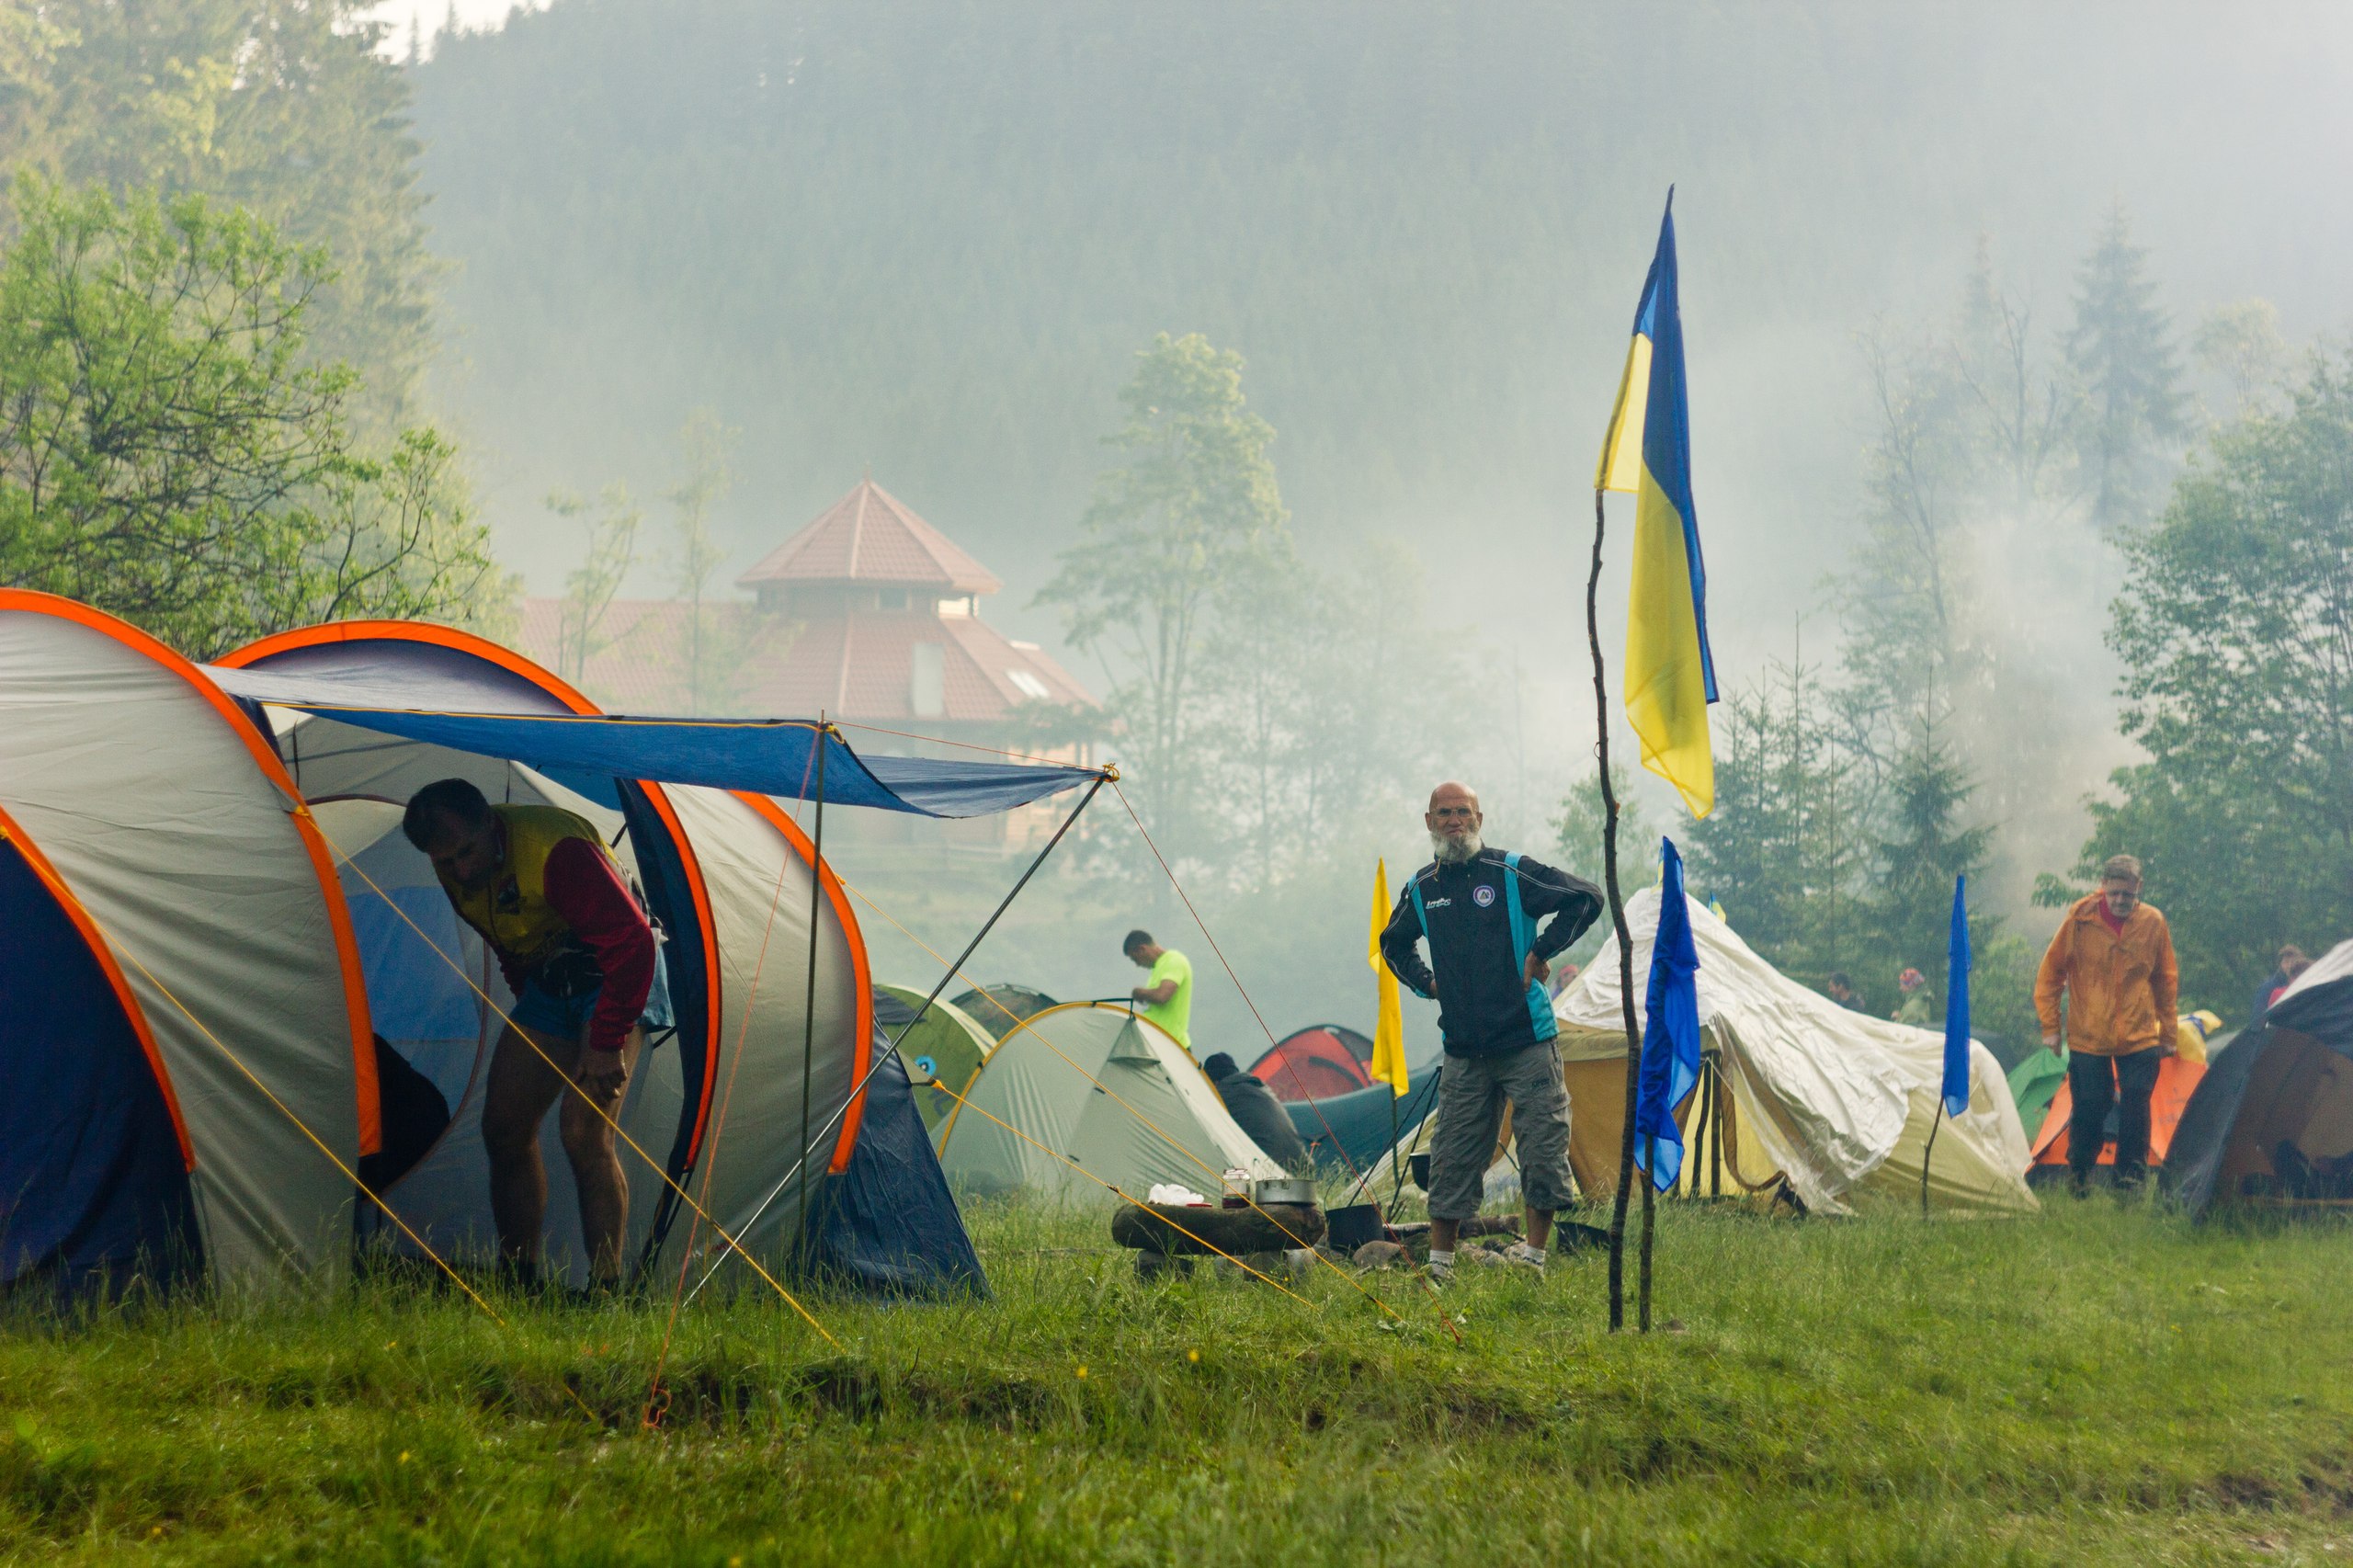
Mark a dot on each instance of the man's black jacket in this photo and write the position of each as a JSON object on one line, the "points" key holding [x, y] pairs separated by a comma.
{"points": [[1483, 1007], [1255, 1110]]}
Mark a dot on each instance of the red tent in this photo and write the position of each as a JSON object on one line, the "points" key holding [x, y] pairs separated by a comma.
{"points": [[2177, 1080], [1321, 1061]]}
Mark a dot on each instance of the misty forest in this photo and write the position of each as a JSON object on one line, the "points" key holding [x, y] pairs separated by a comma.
{"points": [[1262, 360], [1212, 391]]}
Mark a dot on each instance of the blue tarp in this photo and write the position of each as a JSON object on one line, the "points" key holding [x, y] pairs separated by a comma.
{"points": [[766, 757]]}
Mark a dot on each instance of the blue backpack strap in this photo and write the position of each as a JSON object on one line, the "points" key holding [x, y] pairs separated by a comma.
{"points": [[1523, 942]]}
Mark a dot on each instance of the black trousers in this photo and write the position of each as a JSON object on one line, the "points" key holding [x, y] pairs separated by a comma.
{"points": [[2098, 1085]]}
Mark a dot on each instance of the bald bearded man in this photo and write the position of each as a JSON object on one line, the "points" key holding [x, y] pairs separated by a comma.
{"points": [[1478, 909]]}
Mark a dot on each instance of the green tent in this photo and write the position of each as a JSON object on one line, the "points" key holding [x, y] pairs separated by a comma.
{"points": [[2032, 1083], [947, 1048], [1000, 1009]]}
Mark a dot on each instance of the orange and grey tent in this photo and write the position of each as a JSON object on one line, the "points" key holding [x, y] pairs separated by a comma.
{"points": [[186, 1073], [1321, 1061], [726, 875], [190, 998], [2178, 1080]]}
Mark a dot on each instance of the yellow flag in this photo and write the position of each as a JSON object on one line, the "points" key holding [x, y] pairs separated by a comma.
{"points": [[1389, 1034]]}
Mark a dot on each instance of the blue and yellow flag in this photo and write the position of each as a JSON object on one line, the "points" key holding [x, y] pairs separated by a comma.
{"points": [[1670, 675], [1389, 1028]]}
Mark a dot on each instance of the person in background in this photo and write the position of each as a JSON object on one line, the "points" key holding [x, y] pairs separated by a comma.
{"points": [[2112, 959], [2282, 975], [1564, 974], [583, 961], [1167, 992], [1840, 989], [1917, 1009], [1257, 1111], [1479, 908]]}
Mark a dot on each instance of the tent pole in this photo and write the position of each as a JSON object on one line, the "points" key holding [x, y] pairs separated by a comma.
{"points": [[882, 1057], [1397, 1179], [1715, 1132], [1929, 1153], [809, 1004], [1618, 924]]}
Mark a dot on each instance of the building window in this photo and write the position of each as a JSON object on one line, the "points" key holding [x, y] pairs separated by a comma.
{"points": [[1028, 684], [926, 684]]}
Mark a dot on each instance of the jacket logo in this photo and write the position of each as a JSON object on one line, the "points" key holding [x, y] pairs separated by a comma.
{"points": [[1483, 895], [1437, 903]]}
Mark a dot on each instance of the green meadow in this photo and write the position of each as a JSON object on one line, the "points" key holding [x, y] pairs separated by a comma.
{"points": [[2100, 1385]]}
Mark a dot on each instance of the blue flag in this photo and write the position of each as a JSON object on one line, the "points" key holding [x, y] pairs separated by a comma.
{"points": [[1670, 1030], [1956, 1007]]}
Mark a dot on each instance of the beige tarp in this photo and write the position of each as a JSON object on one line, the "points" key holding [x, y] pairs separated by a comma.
{"points": [[1837, 1103]]}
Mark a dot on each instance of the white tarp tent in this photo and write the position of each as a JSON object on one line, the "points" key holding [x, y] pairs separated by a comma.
{"points": [[1099, 1086], [1833, 1103], [1839, 1103]]}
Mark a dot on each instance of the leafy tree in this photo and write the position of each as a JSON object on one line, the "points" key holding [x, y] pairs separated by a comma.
{"points": [[2235, 629], [2241, 343], [1193, 509], [2129, 376], [282, 107], [589, 588], [169, 451]]}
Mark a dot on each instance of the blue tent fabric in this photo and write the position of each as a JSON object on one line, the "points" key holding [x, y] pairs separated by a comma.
{"points": [[1670, 1031], [93, 1189], [766, 757], [887, 1224], [1352, 1131]]}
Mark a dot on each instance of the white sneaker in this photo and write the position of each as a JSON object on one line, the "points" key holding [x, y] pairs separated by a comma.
{"points": [[1440, 1273], [1525, 1255]]}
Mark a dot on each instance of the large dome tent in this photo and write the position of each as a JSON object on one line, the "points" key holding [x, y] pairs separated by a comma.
{"points": [[727, 875], [1091, 1085], [184, 1056]]}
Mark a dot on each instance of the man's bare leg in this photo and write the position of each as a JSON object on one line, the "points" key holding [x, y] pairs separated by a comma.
{"points": [[589, 1144], [1540, 1226], [1442, 1234], [520, 1088]]}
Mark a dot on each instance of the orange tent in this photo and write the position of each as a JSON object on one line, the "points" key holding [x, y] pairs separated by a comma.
{"points": [[2177, 1080]]}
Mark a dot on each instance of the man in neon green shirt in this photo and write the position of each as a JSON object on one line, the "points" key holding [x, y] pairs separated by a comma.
{"points": [[1167, 994]]}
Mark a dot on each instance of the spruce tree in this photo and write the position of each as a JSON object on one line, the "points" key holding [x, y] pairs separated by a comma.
{"points": [[2128, 379]]}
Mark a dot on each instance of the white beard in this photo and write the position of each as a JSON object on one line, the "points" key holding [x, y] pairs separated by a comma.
{"points": [[1453, 851]]}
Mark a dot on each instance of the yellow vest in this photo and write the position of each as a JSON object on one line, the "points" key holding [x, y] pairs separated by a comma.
{"points": [[511, 910]]}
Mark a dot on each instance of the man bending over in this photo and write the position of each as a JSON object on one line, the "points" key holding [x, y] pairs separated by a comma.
{"points": [[579, 956]]}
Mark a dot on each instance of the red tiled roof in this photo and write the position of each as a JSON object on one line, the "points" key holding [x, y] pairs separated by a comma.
{"points": [[871, 536], [857, 666]]}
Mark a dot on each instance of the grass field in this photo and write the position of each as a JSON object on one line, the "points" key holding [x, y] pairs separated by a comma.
{"points": [[2097, 1386]]}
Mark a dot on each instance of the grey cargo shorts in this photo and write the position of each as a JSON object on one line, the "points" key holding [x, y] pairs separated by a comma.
{"points": [[1470, 1096]]}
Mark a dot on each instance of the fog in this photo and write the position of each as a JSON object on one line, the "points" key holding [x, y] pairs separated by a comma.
{"points": [[927, 241]]}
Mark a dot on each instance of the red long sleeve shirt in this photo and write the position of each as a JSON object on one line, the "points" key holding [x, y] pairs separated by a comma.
{"points": [[583, 888]]}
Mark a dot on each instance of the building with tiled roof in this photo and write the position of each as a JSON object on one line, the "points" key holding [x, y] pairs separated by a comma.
{"points": [[869, 615]]}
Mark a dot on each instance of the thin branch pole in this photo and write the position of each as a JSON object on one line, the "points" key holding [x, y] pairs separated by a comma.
{"points": [[1932, 1152], [1618, 923], [808, 1005]]}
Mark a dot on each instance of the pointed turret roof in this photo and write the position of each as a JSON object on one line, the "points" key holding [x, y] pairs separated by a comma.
{"points": [[871, 536]]}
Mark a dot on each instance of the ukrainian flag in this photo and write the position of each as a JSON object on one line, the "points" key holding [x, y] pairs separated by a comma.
{"points": [[1670, 675]]}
